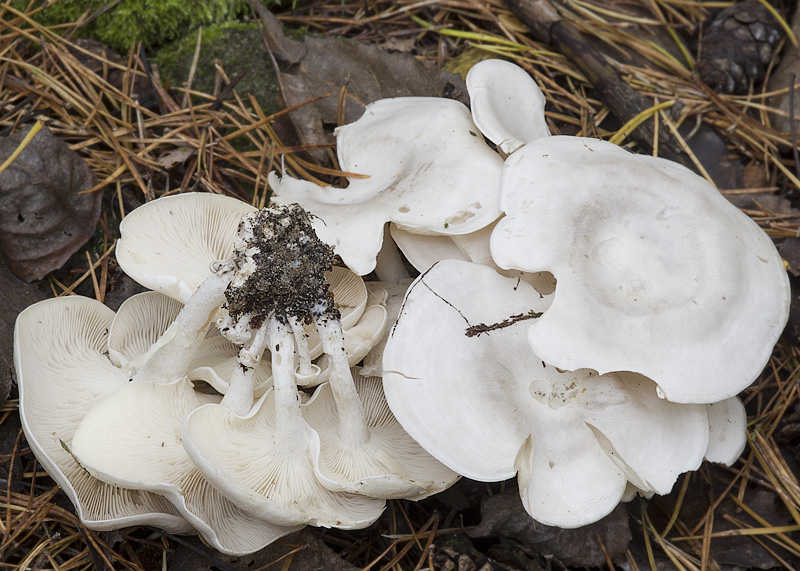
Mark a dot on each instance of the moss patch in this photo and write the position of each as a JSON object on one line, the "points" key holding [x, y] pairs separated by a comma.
{"points": [[152, 22], [237, 46]]}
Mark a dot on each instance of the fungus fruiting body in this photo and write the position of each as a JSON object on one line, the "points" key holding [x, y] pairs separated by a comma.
{"points": [[656, 271], [432, 174], [168, 244], [269, 294], [583, 319], [132, 439], [60, 354], [279, 285], [474, 394]]}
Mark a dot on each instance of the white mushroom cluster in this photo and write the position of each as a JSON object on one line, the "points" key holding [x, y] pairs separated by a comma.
{"points": [[584, 317], [223, 402]]}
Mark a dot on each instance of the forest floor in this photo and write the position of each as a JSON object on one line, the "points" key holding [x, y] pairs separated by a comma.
{"points": [[645, 74]]}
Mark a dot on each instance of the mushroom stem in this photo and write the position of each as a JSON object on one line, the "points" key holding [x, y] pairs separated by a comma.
{"points": [[291, 432], [239, 398], [304, 367], [353, 427], [177, 345]]}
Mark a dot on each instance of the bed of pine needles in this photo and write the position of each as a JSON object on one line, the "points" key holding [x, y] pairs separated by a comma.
{"points": [[90, 101]]}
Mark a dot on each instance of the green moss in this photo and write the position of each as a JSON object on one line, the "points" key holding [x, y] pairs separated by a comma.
{"points": [[152, 22], [238, 47]]}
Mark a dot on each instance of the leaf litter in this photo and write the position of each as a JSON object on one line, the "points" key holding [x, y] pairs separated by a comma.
{"points": [[744, 516], [45, 213]]}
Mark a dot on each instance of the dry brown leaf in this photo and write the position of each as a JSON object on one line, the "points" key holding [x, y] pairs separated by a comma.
{"points": [[176, 156], [43, 217], [503, 514], [318, 66]]}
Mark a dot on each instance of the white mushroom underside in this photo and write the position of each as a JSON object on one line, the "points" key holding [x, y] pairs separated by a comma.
{"points": [[168, 244], [132, 439], [389, 465], [59, 352], [140, 322], [262, 478]]}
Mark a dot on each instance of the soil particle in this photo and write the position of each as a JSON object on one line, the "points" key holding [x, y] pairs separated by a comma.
{"points": [[290, 264]]}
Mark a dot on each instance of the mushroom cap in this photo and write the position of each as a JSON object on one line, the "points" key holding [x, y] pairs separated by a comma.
{"points": [[429, 171], [424, 251], [727, 428], [487, 407], [60, 354], [133, 439], [657, 272], [389, 465], [138, 326], [168, 244], [507, 105], [266, 480]]}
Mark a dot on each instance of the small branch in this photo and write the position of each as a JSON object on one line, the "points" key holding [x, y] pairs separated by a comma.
{"points": [[476, 330], [547, 26]]}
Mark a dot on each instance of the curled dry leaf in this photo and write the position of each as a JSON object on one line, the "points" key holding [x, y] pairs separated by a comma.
{"points": [[318, 66], [44, 218]]}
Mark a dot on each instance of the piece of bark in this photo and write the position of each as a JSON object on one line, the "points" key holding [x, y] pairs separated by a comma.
{"points": [[547, 26]]}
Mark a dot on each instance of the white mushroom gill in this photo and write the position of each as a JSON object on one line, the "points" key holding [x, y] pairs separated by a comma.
{"points": [[133, 439], [167, 244], [141, 320], [60, 354], [400, 467]]}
